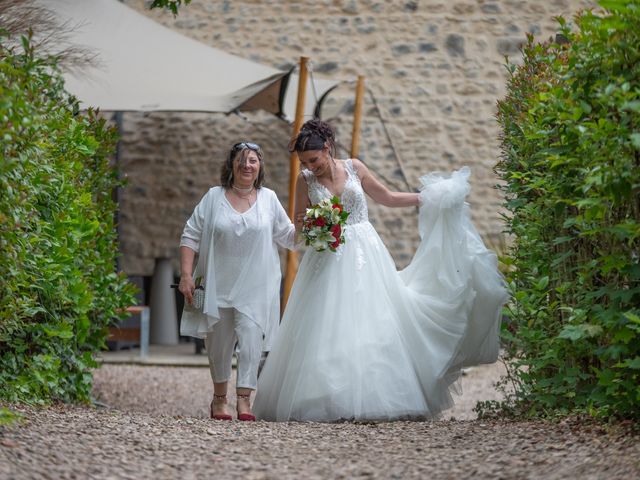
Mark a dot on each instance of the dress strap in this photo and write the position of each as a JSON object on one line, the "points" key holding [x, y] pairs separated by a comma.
{"points": [[307, 175], [350, 166], [351, 169]]}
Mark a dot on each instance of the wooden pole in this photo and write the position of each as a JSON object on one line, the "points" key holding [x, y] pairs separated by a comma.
{"points": [[292, 256], [357, 118]]}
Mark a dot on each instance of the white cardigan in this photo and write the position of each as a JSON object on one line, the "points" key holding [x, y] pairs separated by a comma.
{"points": [[256, 290]]}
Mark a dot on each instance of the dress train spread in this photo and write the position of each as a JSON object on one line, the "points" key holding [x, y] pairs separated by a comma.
{"points": [[360, 340]]}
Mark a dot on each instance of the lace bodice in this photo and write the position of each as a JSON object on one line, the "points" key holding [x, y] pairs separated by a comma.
{"points": [[352, 198]]}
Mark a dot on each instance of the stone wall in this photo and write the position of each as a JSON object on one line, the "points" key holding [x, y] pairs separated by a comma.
{"points": [[435, 69]]}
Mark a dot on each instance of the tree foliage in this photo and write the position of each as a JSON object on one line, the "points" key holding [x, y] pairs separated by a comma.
{"points": [[57, 239], [571, 169], [171, 5]]}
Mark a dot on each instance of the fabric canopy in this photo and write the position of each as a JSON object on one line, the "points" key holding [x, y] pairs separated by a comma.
{"points": [[144, 66]]}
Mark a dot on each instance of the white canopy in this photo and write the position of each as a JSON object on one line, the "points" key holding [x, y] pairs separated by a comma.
{"points": [[144, 66]]}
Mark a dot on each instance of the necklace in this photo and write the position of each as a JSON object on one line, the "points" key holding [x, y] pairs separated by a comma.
{"points": [[244, 194], [246, 191]]}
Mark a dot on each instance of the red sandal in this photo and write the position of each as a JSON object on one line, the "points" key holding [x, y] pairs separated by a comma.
{"points": [[246, 417], [219, 416]]}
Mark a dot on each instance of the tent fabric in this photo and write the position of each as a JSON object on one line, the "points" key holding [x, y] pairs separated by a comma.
{"points": [[144, 66]]}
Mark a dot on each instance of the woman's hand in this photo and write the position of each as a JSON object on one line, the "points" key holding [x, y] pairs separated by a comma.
{"points": [[300, 217], [301, 202], [187, 286]]}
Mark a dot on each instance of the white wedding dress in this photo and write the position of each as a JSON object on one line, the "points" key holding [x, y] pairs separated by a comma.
{"points": [[360, 340]]}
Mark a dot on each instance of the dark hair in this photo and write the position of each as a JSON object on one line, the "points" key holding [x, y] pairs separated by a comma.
{"points": [[314, 135], [241, 150]]}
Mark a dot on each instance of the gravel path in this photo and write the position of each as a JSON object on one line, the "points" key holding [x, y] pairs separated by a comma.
{"points": [[156, 427], [188, 391]]}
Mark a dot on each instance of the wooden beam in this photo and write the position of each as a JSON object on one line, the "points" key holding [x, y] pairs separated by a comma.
{"points": [[292, 256]]}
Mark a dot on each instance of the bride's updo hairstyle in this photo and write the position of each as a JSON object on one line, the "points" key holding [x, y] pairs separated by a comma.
{"points": [[314, 135]]}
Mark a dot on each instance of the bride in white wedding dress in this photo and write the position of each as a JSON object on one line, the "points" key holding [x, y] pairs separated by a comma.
{"points": [[360, 340]]}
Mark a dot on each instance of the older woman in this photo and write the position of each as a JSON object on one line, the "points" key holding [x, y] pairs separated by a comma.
{"points": [[235, 230]]}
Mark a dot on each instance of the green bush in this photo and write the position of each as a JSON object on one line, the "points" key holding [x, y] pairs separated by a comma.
{"points": [[58, 245], [571, 169], [171, 5]]}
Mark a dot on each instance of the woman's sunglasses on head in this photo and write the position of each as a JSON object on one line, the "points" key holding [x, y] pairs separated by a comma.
{"points": [[251, 146]]}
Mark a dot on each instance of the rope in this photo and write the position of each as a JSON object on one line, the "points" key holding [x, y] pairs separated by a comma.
{"points": [[370, 167], [386, 131], [313, 83], [347, 150]]}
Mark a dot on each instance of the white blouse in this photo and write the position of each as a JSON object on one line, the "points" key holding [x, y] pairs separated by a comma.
{"points": [[238, 260]]}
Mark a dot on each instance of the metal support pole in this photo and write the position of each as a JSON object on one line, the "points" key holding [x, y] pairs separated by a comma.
{"points": [[117, 194]]}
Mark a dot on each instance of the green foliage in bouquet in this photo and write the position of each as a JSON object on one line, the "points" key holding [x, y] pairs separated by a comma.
{"points": [[58, 246], [571, 169]]}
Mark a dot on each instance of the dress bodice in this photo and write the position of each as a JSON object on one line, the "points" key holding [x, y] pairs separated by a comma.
{"points": [[353, 199]]}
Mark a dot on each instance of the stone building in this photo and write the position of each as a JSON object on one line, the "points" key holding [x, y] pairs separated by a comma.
{"points": [[434, 70]]}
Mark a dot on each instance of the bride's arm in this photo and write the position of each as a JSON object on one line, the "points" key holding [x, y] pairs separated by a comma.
{"points": [[381, 194], [302, 202]]}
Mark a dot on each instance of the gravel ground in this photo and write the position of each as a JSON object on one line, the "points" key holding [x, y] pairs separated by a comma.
{"points": [[155, 426], [188, 391]]}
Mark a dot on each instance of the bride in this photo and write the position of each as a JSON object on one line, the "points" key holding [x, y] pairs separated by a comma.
{"points": [[360, 340]]}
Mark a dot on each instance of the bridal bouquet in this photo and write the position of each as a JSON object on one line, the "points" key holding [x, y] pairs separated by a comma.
{"points": [[322, 225]]}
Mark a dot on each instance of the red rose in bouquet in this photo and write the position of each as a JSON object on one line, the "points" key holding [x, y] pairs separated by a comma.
{"points": [[336, 231]]}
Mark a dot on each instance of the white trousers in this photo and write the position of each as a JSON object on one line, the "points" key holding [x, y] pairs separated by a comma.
{"points": [[233, 327]]}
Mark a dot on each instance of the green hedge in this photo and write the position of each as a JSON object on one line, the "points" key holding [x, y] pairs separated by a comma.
{"points": [[58, 244], [571, 170]]}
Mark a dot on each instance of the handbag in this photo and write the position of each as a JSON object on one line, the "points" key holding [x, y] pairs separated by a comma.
{"points": [[198, 298], [197, 302]]}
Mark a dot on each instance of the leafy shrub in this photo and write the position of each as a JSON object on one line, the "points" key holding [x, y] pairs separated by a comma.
{"points": [[171, 5], [57, 240], [8, 417], [571, 169]]}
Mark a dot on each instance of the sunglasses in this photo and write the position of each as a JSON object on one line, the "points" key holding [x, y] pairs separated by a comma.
{"points": [[251, 146]]}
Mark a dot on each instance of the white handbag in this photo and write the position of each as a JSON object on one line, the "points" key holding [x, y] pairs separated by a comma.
{"points": [[198, 298]]}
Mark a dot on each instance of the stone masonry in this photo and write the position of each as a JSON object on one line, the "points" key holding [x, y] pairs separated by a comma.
{"points": [[435, 69]]}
